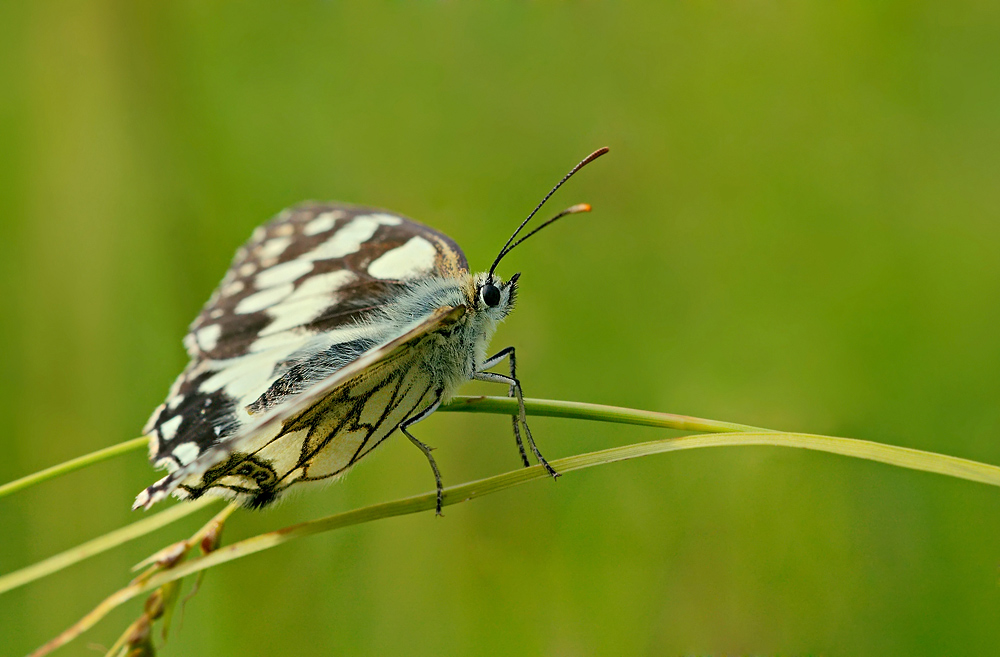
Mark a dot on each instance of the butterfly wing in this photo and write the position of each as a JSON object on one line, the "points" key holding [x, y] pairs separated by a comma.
{"points": [[313, 268], [298, 288], [356, 408]]}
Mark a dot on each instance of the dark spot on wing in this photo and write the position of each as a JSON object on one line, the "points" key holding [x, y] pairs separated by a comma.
{"points": [[205, 418], [317, 367]]}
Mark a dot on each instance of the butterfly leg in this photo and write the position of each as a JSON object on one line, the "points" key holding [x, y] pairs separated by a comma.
{"points": [[425, 448], [511, 392], [515, 391]]}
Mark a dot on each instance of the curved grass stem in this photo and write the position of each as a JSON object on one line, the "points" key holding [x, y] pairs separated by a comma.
{"points": [[459, 404], [898, 456], [78, 463], [596, 412], [101, 544]]}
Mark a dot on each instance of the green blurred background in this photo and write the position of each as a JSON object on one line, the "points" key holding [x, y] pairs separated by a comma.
{"points": [[797, 227]]}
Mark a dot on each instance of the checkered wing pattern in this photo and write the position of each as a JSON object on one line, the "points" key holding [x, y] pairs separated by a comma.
{"points": [[288, 313]]}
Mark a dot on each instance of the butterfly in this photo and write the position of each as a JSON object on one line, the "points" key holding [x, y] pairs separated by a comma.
{"points": [[334, 326]]}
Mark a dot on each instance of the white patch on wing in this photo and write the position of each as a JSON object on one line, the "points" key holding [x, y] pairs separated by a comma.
{"points": [[164, 462], [263, 299], [386, 219], [276, 340], [169, 428], [322, 223], [233, 288], [185, 453], [324, 284], [284, 230], [245, 378], [350, 237], [175, 387], [274, 247], [208, 337], [286, 272], [241, 374], [153, 419], [313, 343], [142, 499], [313, 296], [175, 401], [291, 313], [410, 260], [248, 269]]}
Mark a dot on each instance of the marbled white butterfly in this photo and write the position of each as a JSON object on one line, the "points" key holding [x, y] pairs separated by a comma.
{"points": [[334, 326]]}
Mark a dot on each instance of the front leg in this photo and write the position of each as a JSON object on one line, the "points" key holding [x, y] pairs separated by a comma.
{"points": [[493, 361], [514, 390]]}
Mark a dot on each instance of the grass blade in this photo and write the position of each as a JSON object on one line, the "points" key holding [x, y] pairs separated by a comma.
{"points": [[587, 411], [458, 404], [100, 544], [863, 449], [73, 464]]}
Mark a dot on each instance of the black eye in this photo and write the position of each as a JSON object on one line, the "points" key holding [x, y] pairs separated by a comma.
{"points": [[491, 295]]}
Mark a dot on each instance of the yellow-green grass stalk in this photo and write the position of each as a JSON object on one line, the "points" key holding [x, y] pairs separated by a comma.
{"points": [[899, 456]]}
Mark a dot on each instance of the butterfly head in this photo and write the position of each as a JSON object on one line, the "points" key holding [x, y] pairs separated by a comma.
{"points": [[494, 297]]}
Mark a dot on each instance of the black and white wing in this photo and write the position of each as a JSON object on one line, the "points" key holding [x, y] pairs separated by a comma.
{"points": [[295, 291]]}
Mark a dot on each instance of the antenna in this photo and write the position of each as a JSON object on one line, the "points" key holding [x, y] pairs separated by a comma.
{"points": [[582, 207]]}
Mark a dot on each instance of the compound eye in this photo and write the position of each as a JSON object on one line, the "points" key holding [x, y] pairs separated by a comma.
{"points": [[491, 295]]}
